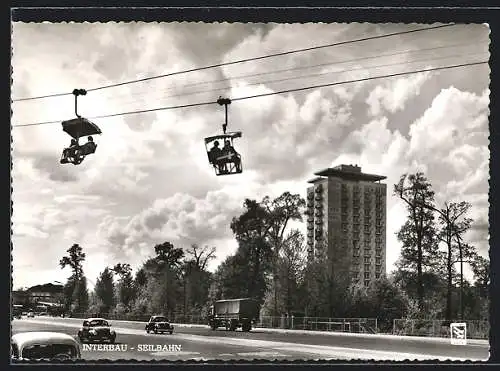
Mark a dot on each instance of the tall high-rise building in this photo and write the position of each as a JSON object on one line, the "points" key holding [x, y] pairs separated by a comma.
{"points": [[346, 221]]}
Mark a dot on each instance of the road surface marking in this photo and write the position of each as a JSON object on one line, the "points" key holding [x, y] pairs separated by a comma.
{"points": [[262, 354], [173, 354]]}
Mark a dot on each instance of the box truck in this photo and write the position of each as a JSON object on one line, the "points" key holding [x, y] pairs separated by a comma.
{"points": [[234, 313]]}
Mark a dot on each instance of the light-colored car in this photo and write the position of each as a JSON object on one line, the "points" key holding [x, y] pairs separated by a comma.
{"points": [[55, 346], [31, 315]]}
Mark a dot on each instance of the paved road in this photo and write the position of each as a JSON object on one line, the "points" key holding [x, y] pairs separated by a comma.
{"points": [[204, 344]]}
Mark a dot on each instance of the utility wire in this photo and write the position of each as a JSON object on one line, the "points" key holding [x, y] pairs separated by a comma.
{"points": [[268, 94], [319, 74], [330, 63], [241, 61]]}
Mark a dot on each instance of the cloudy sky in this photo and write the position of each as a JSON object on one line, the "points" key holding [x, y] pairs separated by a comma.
{"points": [[149, 180]]}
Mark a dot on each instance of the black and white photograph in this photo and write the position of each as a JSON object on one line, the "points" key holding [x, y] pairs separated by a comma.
{"points": [[250, 191]]}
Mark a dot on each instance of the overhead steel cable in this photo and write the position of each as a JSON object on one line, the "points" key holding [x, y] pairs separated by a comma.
{"points": [[242, 61], [331, 63], [360, 68], [269, 94]]}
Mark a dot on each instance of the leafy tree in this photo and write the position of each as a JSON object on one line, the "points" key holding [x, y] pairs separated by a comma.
{"points": [[292, 263], [163, 271], [196, 278], [74, 260], [68, 290], [141, 278], [451, 229], [434, 286], [168, 255], [104, 291], [254, 253], [75, 289], [80, 299], [280, 211], [416, 192], [125, 286], [481, 269]]}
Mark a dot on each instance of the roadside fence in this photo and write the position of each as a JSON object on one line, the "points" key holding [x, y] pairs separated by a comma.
{"points": [[354, 325], [476, 329]]}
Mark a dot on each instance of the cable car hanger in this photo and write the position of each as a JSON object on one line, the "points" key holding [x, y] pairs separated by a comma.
{"points": [[224, 102], [225, 161], [77, 128], [76, 93]]}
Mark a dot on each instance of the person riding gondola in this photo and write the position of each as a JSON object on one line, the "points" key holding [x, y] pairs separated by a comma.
{"points": [[231, 155], [215, 153], [70, 153], [89, 147], [78, 128], [225, 161]]}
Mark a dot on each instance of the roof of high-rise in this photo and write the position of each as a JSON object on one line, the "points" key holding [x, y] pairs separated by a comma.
{"points": [[348, 172]]}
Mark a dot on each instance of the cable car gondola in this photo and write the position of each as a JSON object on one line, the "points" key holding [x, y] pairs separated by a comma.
{"points": [[224, 158], [77, 128]]}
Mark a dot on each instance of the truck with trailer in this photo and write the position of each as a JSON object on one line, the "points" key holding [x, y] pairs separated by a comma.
{"points": [[234, 313]]}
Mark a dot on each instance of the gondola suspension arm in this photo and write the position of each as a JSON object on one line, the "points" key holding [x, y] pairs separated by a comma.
{"points": [[224, 102], [76, 93]]}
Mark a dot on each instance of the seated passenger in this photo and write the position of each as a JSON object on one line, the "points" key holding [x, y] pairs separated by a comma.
{"points": [[233, 156], [69, 152], [89, 147], [214, 157], [215, 152]]}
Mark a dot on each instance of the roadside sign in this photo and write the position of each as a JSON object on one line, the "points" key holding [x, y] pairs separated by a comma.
{"points": [[458, 333]]}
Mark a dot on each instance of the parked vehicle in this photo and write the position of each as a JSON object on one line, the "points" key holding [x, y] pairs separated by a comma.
{"points": [[54, 346], [96, 329], [31, 315], [234, 313], [159, 324]]}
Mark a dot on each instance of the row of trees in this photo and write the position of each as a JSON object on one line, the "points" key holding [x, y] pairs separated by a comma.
{"points": [[271, 265], [432, 240]]}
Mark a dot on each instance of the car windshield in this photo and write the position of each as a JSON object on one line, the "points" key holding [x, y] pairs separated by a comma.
{"points": [[97, 322], [49, 351], [160, 319]]}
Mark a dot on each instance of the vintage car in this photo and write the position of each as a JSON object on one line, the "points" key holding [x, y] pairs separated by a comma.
{"points": [[96, 329], [159, 324], [31, 315], [54, 346]]}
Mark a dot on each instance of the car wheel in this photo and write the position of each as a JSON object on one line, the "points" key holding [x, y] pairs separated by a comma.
{"points": [[155, 331], [147, 331], [171, 332], [112, 340]]}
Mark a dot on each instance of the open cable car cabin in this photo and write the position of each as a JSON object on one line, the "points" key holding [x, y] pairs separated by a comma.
{"points": [[220, 148], [222, 155], [76, 129]]}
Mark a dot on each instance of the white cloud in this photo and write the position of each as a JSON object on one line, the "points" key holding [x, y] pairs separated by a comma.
{"points": [[393, 95]]}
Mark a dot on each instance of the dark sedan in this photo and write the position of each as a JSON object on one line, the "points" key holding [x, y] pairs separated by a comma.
{"points": [[96, 329], [159, 324]]}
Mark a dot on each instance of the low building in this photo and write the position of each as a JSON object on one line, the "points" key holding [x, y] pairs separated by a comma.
{"points": [[47, 293], [20, 297]]}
